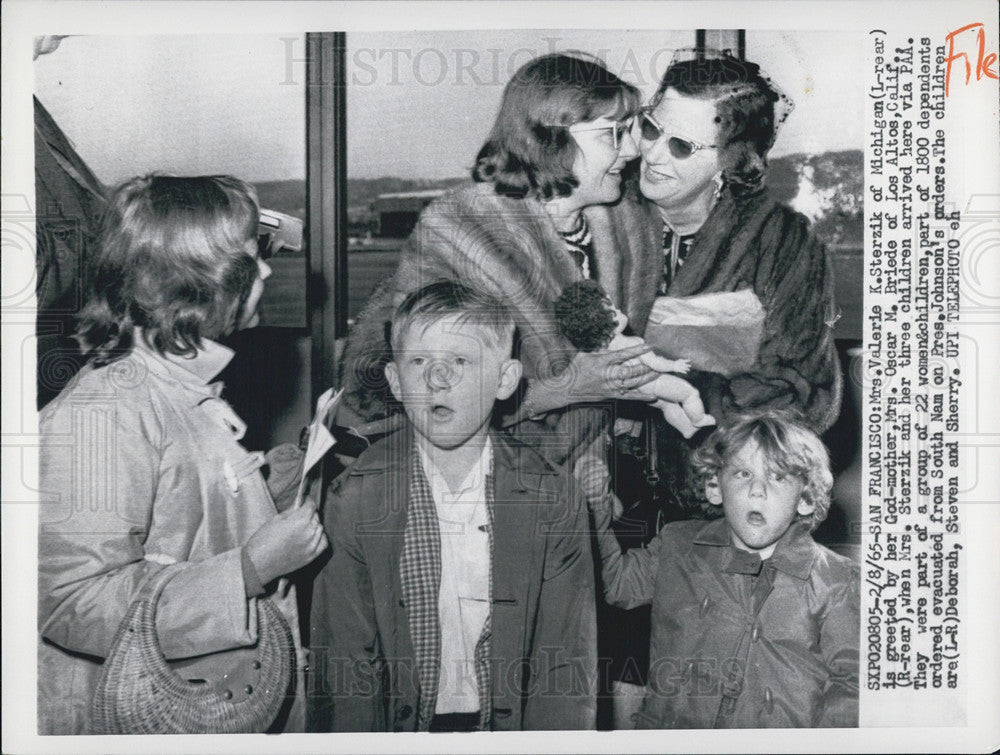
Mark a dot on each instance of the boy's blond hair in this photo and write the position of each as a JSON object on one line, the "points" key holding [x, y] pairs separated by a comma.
{"points": [[787, 444], [442, 298]]}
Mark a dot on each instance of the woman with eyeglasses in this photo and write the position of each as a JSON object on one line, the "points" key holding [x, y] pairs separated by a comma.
{"points": [[704, 140], [712, 227], [526, 227], [141, 469], [703, 221]]}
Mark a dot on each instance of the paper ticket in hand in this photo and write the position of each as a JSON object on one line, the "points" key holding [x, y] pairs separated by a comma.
{"points": [[320, 439]]}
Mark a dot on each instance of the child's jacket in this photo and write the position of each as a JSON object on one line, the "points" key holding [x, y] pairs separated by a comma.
{"points": [[141, 466], [369, 670], [739, 645]]}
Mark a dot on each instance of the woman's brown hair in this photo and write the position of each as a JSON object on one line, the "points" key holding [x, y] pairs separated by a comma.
{"points": [[174, 259], [530, 150]]}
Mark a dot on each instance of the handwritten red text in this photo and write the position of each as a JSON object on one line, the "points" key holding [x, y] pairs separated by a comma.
{"points": [[985, 64]]}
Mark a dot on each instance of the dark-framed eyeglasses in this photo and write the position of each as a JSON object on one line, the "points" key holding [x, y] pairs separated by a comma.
{"points": [[680, 147]]}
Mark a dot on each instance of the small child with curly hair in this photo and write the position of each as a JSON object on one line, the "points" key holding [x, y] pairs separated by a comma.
{"points": [[588, 319], [754, 624]]}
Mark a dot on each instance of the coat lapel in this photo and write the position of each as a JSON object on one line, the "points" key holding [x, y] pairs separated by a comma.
{"points": [[608, 253], [517, 555], [722, 249], [628, 248]]}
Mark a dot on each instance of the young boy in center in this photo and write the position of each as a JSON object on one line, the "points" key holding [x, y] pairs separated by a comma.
{"points": [[754, 625], [459, 595]]}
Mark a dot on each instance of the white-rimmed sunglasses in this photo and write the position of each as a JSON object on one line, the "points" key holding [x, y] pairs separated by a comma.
{"points": [[680, 147]]}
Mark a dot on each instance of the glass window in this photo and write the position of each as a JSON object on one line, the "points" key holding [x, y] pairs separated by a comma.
{"points": [[198, 104], [421, 104]]}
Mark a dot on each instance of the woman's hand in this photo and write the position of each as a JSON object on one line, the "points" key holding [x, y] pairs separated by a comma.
{"points": [[595, 376], [286, 543], [603, 375]]}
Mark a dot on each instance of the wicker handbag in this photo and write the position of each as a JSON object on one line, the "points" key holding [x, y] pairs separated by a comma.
{"points": [[139, 693]]}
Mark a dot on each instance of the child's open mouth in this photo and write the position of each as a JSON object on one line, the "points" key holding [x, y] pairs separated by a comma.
{"points": [[756, 518]]}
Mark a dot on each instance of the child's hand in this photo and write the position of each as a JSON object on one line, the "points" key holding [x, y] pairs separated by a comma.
{"points": [[594, 479], [682, 366], [286, 543]]}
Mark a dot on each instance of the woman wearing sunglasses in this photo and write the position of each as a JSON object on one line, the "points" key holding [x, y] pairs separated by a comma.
{"points": [[704, 140], [711, 226], [525, 228]]}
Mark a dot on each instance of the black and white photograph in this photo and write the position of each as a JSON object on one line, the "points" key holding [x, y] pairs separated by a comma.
{"points": [[616, 374]]}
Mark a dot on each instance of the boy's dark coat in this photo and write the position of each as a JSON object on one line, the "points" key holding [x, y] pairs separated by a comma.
{"points": [[544, 661]]}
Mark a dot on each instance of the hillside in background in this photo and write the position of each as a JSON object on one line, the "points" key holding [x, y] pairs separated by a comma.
{"points": [[361, 192], [290, 196], [827, 188]]}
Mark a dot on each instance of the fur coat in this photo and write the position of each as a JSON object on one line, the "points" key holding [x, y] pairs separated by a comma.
{"points": [[510, 245], [758, 243], [511, 249]]}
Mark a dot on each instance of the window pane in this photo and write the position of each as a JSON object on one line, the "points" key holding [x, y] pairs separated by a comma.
{"points": [[421, 104], [199, 104]]}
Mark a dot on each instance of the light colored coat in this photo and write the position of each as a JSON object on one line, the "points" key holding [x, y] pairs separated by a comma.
{"points": [[141, 467]]}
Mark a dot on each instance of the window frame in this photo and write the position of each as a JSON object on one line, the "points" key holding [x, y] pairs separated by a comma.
{"points": [[326, 201]]}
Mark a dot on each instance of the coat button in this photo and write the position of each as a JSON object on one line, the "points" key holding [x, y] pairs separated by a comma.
{"points": [[228, 694], [405, 712], [755, 634], [256, 665], [248, 689], [688, 672], [768, 701]]}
